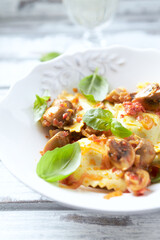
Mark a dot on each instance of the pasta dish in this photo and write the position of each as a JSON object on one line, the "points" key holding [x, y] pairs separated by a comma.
{"points": [[101, 139]]}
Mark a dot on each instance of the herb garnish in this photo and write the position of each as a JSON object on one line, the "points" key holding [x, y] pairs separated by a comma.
{"points": [[40, 106], [102, 120], [59, 163], [94, 87], [49, 56]]}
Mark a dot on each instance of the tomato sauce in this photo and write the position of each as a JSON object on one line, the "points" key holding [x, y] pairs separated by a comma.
{"points": [[113, 194], [133, 108]]}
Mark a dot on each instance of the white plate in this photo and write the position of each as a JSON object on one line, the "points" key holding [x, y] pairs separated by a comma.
{"points": [[21, 139]]}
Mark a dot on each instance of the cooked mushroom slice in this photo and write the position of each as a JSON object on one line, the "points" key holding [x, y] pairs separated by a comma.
{"points": [[145, 150], [53, 132], [60, 139], [149, 97], [88, 131], [59, 114], [118, 95], [137, 181], [120, 153], [75, 136]]}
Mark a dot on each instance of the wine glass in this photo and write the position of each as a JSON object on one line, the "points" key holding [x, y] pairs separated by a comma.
{"points": [[92, 16]]}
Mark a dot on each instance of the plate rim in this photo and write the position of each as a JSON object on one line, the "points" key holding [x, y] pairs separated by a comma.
{"points": [[72, 205]]}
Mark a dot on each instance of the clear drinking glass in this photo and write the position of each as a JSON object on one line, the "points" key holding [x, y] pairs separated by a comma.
{"points": [[93, 16]]}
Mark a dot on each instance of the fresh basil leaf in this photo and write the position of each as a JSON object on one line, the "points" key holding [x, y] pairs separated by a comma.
{"points": [[59, 163], [49, 56], [98, 119], [156, 179], [94, 87], [102, 120], [40, 106], [118, 130]]}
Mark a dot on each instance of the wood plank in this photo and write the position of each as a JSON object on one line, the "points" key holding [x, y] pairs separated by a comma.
{"points": [[63, 27], [37, 225], [32, 206], [51, 9], [14, 195]]}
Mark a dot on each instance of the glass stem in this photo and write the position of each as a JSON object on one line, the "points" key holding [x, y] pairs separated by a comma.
{"points": [[94, 38]]}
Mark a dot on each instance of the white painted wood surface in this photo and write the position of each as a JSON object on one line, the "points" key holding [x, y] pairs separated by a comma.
{"points": [[25, 214], [50, 9], [76, 225]]}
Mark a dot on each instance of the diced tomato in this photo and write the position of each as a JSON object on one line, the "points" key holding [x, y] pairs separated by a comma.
{"points": [[141, 192], [57, 123], [75, 90], [75, 100], [80, 108], [132, 108], [79, 119], [65, 115], [61, 104], [114, 169]]}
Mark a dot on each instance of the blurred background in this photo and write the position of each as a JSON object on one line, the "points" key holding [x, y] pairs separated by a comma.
{"points": [[31, 28]]}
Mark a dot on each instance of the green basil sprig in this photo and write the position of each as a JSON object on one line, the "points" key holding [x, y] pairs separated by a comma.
{"points": [[59, 163], [156, 179], [118, 130], [49, 56], [94, 87], [98, 119], [40, 106], [102, 120]]}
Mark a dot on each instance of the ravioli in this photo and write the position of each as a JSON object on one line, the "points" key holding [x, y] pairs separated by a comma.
{"points": [[146, 125], [91, 163]]}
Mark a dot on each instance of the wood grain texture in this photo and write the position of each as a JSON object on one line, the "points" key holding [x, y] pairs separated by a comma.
{"points": [[38, 225], [50, 9], [42, 205], [15, 196]]}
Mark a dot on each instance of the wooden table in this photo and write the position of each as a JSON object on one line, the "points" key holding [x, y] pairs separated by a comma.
{"points": [[25, 214]]}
